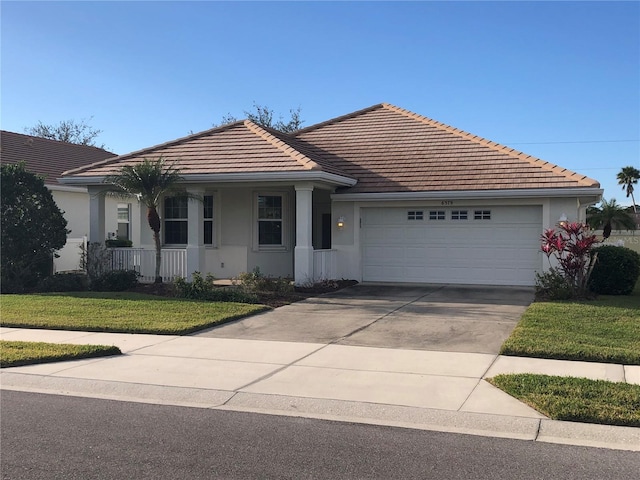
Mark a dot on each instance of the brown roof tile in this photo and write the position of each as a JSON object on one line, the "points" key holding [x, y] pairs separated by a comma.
{"points": [[386, 148], [389, 149], [241, 147], [45, 157]]}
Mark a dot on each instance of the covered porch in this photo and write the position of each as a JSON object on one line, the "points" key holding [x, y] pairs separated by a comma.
{"points": [[282, 230], [174, 263]]}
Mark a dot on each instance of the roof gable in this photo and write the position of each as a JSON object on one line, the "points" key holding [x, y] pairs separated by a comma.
{"points": [[240, 147], [45, 157], [389, 149]]}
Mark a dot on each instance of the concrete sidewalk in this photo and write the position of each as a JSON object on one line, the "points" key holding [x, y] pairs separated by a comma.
{"points": [[409, 388]]}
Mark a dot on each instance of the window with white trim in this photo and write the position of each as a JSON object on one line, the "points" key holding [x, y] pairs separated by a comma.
{"points": [[124, 220], [436, 215], [459, 215], [415, 215], [270, 219], [208, 220], [482, 215], [176, 220]]}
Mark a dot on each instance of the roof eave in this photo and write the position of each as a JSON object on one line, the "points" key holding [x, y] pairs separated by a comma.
{"points": [[259, 177], [471, 194]]}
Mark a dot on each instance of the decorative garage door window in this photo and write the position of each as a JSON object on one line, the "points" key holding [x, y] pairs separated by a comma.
{"points": [[459, 215], [415, 215], [436, 215], [482, 215], [270, 220]]}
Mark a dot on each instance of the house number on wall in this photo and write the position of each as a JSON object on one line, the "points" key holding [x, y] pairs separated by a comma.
{"points": [[446, 202]]}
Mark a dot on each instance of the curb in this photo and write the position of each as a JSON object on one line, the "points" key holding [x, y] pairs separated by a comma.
{"points": [[481, 424]]}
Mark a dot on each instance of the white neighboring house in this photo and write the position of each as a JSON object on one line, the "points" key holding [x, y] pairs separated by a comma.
{"points": [[377, 195], [49, 158]]}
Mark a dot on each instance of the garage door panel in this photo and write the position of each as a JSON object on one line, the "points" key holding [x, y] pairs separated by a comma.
{"points": [[503, 250]]}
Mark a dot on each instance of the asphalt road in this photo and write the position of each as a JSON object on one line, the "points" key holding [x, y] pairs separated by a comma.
{"points": [[62, 437]]}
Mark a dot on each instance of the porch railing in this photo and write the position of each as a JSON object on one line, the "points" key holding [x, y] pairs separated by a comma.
{"points": [[143, 261], [324, 265]]}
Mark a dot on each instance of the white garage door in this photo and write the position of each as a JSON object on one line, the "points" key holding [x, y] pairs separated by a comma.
{"points": [[464, 245]]}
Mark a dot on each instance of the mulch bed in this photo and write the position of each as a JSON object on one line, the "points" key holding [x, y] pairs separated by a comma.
{"points": [[271, 299]]}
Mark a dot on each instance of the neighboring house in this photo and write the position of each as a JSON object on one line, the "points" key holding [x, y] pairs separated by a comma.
{"points": [[49, 158], [378, 195]]}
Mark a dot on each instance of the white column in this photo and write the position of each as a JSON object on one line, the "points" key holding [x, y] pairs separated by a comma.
{"points": [[195, 235], [303, 253], [96, 215]]}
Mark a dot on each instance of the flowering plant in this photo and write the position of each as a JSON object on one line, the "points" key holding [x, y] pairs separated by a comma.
{"points": [[570, 244]]}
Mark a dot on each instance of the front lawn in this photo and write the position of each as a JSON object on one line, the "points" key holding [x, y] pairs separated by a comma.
{"points": [[575, 399], [14, 354], [603, 330], [122, 312]]}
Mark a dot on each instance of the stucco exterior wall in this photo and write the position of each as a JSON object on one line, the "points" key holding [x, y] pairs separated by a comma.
{"points": [[235, 223], [75, 206]]}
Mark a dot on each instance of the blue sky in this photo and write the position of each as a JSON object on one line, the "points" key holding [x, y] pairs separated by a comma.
{"points": [[557, 80]]}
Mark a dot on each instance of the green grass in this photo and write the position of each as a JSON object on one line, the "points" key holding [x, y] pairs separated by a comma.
{"points": [[603, 330], [575, 399], [118, 312], [14, 354]]}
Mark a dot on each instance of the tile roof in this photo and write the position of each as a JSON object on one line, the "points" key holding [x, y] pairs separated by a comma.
{"points": [[240, 147], [45, 157], [389, 149], [383, 147]]}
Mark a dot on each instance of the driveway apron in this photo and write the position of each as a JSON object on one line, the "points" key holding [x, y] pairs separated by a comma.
{"points": [[442, 318]]}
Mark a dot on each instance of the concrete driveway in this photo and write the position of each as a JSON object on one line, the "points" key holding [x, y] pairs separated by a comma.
{"points": [[446, 318]]}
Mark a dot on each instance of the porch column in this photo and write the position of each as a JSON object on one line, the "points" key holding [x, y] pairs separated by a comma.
{"points": [[96, 215], [195, 234], [303, 254]]}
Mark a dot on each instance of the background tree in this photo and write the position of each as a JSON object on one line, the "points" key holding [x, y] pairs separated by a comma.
{"points": [[32, 228], [264, 116], [149, 181], [609, 215], [628, 177], [70, 131]]}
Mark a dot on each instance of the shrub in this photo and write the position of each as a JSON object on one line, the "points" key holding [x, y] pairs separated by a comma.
{"points": [[256, 281], [552, 285], [118, 243], [204, 289], [64, 282], [32, 229], [571, 246], [115, 281], [616, 270], [95, 260]]}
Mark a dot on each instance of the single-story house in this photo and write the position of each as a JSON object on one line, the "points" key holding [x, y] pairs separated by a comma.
{"points": [[49, 158], [378, 195]]}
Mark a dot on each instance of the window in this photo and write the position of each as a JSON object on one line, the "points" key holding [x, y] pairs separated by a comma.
{"points": [[176, 214], [436, 215], [482, 215], [208, 220], [269, 220], [415, 215], [124, 217], [458, 214]]}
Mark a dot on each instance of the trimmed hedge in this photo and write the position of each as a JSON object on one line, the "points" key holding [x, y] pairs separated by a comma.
{"points": [[115, 281], [616, 271]]}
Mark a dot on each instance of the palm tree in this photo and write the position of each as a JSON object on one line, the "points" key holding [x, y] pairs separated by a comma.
{"points": [[609, 214], [149, 181], [628, 177]]}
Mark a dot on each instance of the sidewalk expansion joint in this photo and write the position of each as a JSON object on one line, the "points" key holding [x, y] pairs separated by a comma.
{"points": [[278, 370], [495, 359]]}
